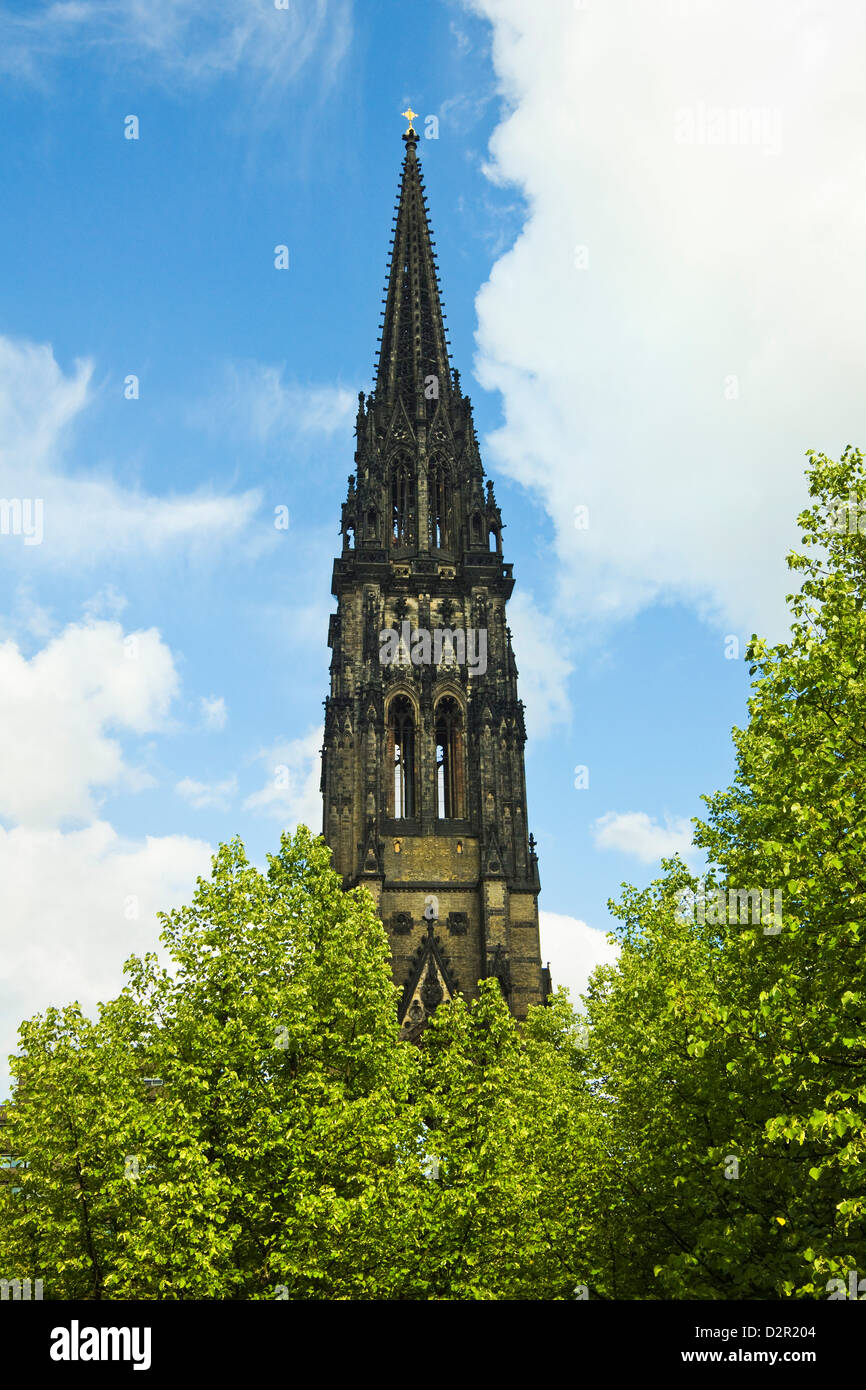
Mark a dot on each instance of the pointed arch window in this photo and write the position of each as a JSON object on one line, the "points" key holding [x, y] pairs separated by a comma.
{"points": [[449, 760], [440, 505], [401, 745], [402, 505]]}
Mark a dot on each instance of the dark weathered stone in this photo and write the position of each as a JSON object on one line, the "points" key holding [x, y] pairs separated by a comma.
{"points": [[422, 770]]}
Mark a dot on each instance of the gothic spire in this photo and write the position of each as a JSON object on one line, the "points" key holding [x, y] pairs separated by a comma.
{"points": [[423, 777], [413, 347]]}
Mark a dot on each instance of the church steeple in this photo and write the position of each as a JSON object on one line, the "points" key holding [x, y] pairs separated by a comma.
{"points": [[422, 766], [413, 350], [420, 481]]}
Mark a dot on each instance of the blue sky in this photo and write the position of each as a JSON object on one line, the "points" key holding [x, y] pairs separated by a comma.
{"points": [[648, 221]]}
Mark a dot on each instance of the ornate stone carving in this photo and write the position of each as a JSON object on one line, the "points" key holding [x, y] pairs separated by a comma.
{"points": [[432, 992], [500, 970]]}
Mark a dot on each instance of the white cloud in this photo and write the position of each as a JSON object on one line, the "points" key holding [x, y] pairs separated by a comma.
{"points": [[254, 402], [634, 832], [573, 949], [192, 41], [75, 906], [205, 796], [214, 712], [300, 625], [105, 603], [37, 402], [703, 263], [89, 519], [540, 645], [58, 708], [26, 616], [461, 39], [291, 793], [86, 519], [76, 903]]}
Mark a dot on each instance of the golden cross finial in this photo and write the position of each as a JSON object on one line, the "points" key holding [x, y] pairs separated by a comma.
{"points": [[410, 116]]}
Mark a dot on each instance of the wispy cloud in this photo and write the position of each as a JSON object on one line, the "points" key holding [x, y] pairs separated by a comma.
{"points": [[208, 796], [213, 711], [291, 793], [85, 518], [255, 402], [189, 41], [543, 666]]}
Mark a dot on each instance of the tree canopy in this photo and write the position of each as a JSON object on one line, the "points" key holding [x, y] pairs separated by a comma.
{"points": [[245, 1123]]}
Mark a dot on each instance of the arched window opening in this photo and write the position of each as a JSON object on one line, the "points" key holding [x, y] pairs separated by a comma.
{"points": [[476, 528], [403, 505], [440, 505], [493, 540], [372, 524], [401, 722], [449, 759], [350, 537]]}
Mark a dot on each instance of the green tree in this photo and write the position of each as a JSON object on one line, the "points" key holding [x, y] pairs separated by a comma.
{"points": [[275, 1148], [77, 1124], [793, 819], [510, 1150], [729, 1055]]}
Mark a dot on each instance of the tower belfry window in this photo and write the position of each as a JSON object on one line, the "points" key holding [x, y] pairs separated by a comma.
{"points": [[449, 759], [402, 505], [402, 753], [440, 505]]}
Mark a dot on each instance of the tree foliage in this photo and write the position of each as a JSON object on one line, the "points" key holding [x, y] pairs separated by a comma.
{"points": [[246, 1124], [294, 1147], [733, 1053]]}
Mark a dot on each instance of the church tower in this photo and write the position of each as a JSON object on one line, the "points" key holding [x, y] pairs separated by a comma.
{"points": [[422, 768]]}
